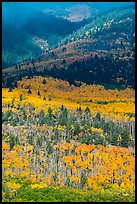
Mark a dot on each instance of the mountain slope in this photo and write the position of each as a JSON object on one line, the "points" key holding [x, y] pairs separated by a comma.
{"points": [[42, 32], [18, 43], [103, 57], [77, 62], [109, 22], [28, 40]]}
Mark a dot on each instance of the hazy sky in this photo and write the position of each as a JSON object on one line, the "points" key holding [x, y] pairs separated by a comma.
{"points": [[19, 11]]}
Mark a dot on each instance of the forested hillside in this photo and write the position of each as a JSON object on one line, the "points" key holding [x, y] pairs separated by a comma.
{"points": [[68, 105], [48, 144], [17, 45], [118, 21], [40, 33], [112, 31]]}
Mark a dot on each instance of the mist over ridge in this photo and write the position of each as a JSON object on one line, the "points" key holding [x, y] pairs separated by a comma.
{"points": [[19, 12]]}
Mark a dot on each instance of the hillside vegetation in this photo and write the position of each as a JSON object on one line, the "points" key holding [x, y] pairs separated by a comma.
{"points": [[47, 146], [105, 56], [68, 114], [112, 32], [40, 33], [116, 22], [114, 103]]}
